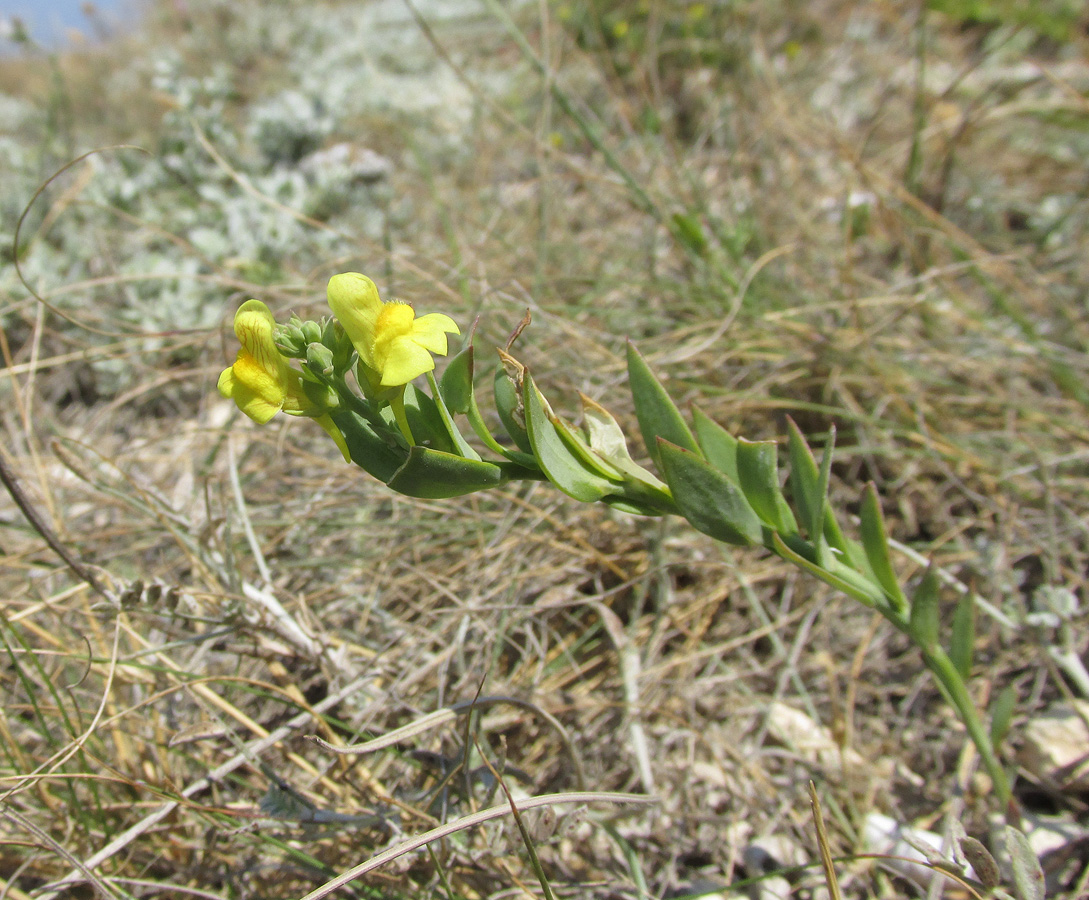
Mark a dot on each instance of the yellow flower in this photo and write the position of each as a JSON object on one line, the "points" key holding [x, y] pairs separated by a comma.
{"points": [[261, 382], [392, 342]]}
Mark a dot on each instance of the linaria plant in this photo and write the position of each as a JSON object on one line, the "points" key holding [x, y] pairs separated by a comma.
{"points": [[357, 380]]}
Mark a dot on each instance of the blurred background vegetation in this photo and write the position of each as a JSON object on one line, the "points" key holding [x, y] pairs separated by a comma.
{"points": [[866, 214]]}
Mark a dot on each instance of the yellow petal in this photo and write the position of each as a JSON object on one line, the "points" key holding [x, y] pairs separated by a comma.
{"points": [[430, 331], [406, 360], [225, 385], [296, 401], [253, 324], [394, 322], [355, 302], [253, 399]]}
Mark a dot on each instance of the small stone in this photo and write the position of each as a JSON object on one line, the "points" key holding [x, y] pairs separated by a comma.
{"points": [[1056, 746], [902, 846], [812, 741]]}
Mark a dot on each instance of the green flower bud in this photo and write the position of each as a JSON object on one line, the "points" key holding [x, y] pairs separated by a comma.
{"points": [[319, 359], [289, 339], [311, 332], [329, 334], [335, 338]]}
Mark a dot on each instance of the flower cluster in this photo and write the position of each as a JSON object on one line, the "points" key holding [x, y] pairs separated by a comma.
{"points": [[384, 344]]}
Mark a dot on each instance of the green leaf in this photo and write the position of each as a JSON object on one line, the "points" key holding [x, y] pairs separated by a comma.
{"points": [[1002, 714], [657, 414], [717, 444], [426, 421], [804, 477], [925, 617], [708, 499], [838, 576], [456, 384], [626, 504], [809, 487], [434, 475], [687, 229], [563, 468], [460, 446], [1028, 877], [508, 403], [582, 451], [606, 439], [458, 394], [758, 476], [378, 454], [821, 507], [963, 636], [875, 541]]}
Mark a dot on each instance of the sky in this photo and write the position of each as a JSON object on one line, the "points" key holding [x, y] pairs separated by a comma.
{"points": [[50, 21]]}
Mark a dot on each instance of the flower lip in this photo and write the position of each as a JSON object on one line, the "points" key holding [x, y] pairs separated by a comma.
{"points": [[260, 381], [391, 341]]}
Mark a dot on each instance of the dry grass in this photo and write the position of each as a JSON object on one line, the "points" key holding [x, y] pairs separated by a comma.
{"points": [[939, 322]]}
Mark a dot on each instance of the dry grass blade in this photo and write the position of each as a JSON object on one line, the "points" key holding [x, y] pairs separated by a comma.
{"points": [[470, 821], [831, 880], [253, 749], [721, 183]]}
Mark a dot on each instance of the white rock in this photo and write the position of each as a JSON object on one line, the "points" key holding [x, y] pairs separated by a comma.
{"points": [[886, 836], [812, 741], [1056, 746]]}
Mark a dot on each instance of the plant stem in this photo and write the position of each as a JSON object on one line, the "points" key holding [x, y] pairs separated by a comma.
{"points": [[939, 663], [397, 404]]}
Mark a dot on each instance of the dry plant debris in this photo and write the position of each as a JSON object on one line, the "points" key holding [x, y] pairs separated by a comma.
{"points": [[849, 213]]}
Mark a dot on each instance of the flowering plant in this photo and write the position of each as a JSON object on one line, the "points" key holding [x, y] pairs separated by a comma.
{"points": [[724, 486]]}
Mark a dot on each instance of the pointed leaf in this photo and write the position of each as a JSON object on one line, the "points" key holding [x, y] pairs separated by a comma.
{"points": [[925, 616], [590, 460], [460, 446], [1002, 714], [963, 636], [508, 403], [838, 575], [1028, 877], [425, 420], [717, 444], [809, 487], [687, 229], [875, 541], [376, 453], [606, 438], [825, 476], [456, 384], [556, 460], [758, 476], [804, 477], [434, 475], [624, 504], [657, 414], [708, 499]]}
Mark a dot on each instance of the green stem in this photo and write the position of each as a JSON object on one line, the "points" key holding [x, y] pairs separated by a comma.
{"points": [[361, 407], [397, 404], [802, 554], [941, 666]]}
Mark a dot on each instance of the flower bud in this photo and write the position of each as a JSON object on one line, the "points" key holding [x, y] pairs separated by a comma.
{"points": [[289, 339], [311, 332], [319, 358]]}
